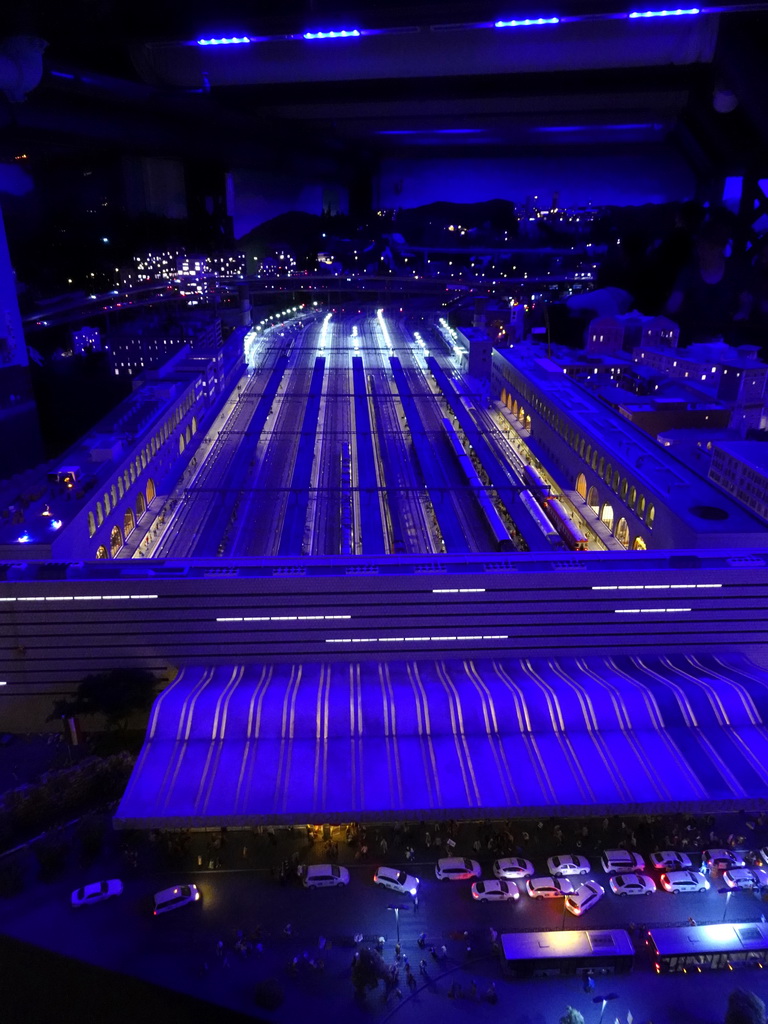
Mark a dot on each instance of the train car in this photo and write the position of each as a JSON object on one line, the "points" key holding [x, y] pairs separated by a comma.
{"points": [[536, 513], [496, 525], [569, 532], [347, 515], [537, 484]]}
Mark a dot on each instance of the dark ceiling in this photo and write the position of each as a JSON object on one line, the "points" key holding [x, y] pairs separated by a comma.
{"points": [[424, 77]]}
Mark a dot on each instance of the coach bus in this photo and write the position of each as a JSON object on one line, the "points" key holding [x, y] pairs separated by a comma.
{"points": [[547, 954], [708, 947]]}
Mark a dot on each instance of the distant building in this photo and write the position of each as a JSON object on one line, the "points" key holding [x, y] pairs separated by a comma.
{"points": [[741, 469], [147, 345], [87, 339]]}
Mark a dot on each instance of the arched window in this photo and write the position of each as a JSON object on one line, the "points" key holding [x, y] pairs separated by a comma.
{"points": [[150, 490], [588, 453], [120, 486], [594, 459], [115, 540], [632, 497], [623, 489], [582, 443], [141, 507], [107, 505], [639, 544], [132, 472], [593, 500], [601, 467], [187, 434], [91, 524], [113, 490], [650, 515], [581, 485], [181, 443], [143, 461], [194, 425], [153, 446], [606, 516], [137, 464], [622, 532], [129, 522], [641, 506], [616, 478], [127, 479], [101, 552], [99, 513], [528, 422]]}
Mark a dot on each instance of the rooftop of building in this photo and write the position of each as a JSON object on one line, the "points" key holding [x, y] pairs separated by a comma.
{"points": [[700, 504], [752, 453], [34, 509]]}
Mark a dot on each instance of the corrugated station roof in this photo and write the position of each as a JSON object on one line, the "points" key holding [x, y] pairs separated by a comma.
{"points": [[348, 741]]}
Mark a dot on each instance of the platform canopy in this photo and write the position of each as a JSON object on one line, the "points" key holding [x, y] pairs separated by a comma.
{"points": [[314, 743]]}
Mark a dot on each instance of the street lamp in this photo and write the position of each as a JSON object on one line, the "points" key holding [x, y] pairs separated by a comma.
{"points": [[397, 907], [604, 1000]]}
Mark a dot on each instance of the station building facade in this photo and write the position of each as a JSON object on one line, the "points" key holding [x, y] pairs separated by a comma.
{"points": [[641, 494]]}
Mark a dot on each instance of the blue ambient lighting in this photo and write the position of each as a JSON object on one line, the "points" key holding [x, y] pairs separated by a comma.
{"points": [[432, 131], [520, 22], [24, 538], [224, 41], [340, 34], [664, 14], [62, 74], [596, 127]]}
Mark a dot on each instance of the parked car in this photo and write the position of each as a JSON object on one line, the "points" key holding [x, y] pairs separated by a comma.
{"points": [[512, 867], [548, 888], [398, 881], [566, 864], [684, 881], [621, 860], [586, 896], [316, 876], [96, 892], [632, 885], [723, 860], [671, 860], [495, 889], [746, 878], [457, 868], [176, 896]]}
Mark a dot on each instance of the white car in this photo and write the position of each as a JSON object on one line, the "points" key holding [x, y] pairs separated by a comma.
{"points": [[746, 878], [398, 881], [177, 896], [512, 867], [621, 860], [684, 881], [96, 892], [457, 868], [568, 865], [632, 885], [316, 876], [722, 860], [548, 888], [586, 896], [671, 860], [495, 889]]}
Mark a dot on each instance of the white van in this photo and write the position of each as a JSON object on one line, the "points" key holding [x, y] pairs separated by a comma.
{"points": [[318, 875], [457, 868], [621, 860]]}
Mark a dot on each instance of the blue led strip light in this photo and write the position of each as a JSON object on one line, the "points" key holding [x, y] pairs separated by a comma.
{"points": [[224, 41], [333, 34], [664, 14], [522, 22]]}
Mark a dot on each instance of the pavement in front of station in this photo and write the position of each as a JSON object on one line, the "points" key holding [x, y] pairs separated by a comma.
{"points": [[57, 976]]}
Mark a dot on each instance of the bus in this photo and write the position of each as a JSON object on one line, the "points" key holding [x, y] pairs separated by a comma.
{"points": [[708, 947], [548, 954]]}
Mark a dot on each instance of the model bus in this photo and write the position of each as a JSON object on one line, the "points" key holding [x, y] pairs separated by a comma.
{"points": [[708, 947], [546, 954]]}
